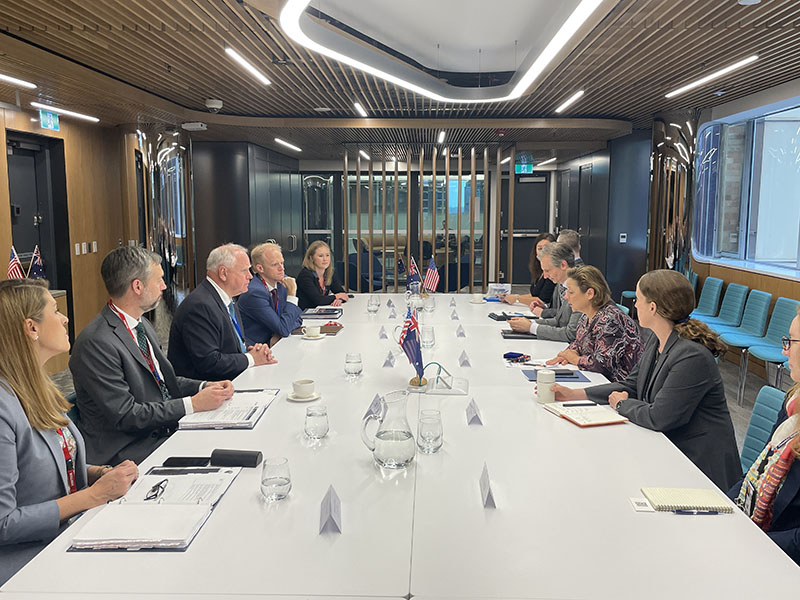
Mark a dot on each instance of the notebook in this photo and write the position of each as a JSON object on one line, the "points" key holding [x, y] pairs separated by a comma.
{"points": [[669, 499], [240, 412], [510, 334], [574, 376], [586, 416], [322, 312]]}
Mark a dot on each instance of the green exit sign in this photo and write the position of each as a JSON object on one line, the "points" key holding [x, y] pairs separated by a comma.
{"points": [[523, 168], [48, 120]]}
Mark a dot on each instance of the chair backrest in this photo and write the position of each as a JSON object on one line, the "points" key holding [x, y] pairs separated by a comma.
{"points": [[73, 413], [754, 318], [709, 296], [733, 304], [765, 413], [692, 276], [624, 309], [783, 312]]}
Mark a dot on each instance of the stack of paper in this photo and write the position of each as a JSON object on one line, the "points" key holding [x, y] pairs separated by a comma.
{"points": [[240, 412]]}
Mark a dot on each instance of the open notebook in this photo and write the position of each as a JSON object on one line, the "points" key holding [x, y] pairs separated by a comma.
{"points": [[670, 499], [586, 416], [240, 412]]}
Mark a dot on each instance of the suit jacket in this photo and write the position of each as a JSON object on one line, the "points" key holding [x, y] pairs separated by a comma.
{"points": [[310, 294], [123, 415], [563, 326], [259, 317], [32, 476], [686, 402], [203, 342]]}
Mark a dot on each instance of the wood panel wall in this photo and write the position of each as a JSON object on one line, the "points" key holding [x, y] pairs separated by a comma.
{"points": [[92, 156]]}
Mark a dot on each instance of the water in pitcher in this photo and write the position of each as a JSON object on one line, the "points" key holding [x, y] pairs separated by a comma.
{"points": [[394, 448]]}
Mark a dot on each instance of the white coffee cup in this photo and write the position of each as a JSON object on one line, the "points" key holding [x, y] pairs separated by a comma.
{"points": [[477, 297], [303, 388], [312, 331], [545, 378]]}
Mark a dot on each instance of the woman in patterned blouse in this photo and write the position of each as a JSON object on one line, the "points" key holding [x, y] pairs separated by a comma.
{"points": [[607, 341]]}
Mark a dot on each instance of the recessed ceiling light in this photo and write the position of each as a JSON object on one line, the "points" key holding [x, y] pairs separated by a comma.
{"points": [[360, 109], [247, 66], [17, 82], [546, 162], [322, 109], [65, 112], [364, 154], [749, 2], [569, 101], [505, 160], [712, 76], [294, 10], [288, 145], [441, 137]]}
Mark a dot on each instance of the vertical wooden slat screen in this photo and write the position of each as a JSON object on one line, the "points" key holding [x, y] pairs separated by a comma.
{"points": [[358, 223], [434, 217], [498, 183], [383, 218], [345, 219], [408, 210], [485, 244], [458, 233], [396, 215], [421, 235], [371, 218], [510, 246], [472, 197], [447, 219]]}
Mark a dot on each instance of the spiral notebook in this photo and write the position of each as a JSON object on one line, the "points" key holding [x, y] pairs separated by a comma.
{"points": [[670, 499]]}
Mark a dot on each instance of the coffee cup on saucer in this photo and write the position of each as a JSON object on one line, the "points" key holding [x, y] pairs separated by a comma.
{"points": [[303, 388], [312, 331]]}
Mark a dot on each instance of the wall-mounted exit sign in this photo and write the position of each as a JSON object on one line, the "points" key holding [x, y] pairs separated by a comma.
{"points": [[48, 120]]}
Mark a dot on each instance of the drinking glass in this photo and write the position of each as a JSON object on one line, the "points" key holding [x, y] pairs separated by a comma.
{"points": [[353, 366], [429, 303], [316, 426], [429, 431], [373, 304], [275, 478], [427, 336]]}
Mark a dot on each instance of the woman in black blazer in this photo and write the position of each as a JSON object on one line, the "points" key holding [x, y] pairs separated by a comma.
{"points": [[317, 284], [541, 287], [676, 388]]}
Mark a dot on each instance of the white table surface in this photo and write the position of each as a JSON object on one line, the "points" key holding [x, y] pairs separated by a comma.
{"points": [[563, 526]]}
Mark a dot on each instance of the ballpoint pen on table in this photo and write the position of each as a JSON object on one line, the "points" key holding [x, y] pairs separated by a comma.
{"points": [[248, 391], [696, 512]]}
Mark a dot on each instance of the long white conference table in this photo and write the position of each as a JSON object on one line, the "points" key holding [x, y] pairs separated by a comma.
{"points": [[563, 527]]}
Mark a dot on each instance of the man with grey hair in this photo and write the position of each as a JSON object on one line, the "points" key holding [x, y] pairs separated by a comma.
{"points": [[558, 323], [127, 392], [572, 238], [207, 338]]}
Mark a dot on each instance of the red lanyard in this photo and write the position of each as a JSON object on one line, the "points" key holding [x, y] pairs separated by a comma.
{"points": [[70, 463], [149, 359]]}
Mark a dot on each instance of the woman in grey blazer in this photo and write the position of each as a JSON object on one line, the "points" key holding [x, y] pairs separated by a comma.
{"points": [[676, 388], [43, 471]]}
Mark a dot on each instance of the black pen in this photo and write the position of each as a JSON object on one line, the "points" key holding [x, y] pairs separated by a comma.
{"points": [[250, 391], [696, 512], [571, 404]]}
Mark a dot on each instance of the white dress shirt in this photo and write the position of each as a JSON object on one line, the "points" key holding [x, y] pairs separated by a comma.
{"points": [[226, 300]]}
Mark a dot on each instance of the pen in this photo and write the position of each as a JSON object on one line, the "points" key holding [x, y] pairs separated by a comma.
{"points": [[696, 512], [248, 391], [571, 404]]}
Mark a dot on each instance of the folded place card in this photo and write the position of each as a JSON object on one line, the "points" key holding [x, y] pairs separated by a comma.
{"points": [[452, 302], [463, 360], [392, 314], [330, 514], [382, 335], [460, 332], [389, 303], [486, 489], [473, 414], [374, 407], [389, 360], [454, 316]]}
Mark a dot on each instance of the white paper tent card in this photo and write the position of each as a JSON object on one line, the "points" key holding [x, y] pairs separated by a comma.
{"points": [[392, 314], [382, 335], [453, 302], [463, 360], [374, 407], [389, 303], [460, 332], [486, 489], [330, 516], [389, 360], [473, 414], [454, 316]]}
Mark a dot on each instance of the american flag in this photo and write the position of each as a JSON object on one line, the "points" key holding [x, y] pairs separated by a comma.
{"points": [[409, 341], [14, 266], [36, 270], [431, 277], [413, 272]]}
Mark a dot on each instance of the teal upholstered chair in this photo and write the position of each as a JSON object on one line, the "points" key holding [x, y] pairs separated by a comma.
{"points": [[754, 318], [730, 313], [624, 309], [765, 413], [708, 303]]}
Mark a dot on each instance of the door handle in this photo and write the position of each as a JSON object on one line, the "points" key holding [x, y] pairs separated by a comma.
{"points": [[293, 240]]}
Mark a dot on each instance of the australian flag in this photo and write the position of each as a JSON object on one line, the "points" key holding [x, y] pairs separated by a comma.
{"points": [[36, 270], [409, 341], [413, 273]]}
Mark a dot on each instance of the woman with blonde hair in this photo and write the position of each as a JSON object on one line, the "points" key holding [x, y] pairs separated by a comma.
{"points": [[676, 388], [770, 491], [607, 340], [44, 479], [317, 284]]}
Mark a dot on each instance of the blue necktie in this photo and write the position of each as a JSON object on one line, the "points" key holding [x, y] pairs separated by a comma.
{"points": [[236, 327]]}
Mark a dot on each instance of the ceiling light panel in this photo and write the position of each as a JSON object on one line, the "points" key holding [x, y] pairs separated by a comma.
{"points": [[712, 76], [288, 145], [65, 112], [570, 101], [247, 66], [17, 82]]}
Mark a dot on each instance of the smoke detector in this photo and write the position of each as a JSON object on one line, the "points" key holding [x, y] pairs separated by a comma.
{"points": [[194, 126]]}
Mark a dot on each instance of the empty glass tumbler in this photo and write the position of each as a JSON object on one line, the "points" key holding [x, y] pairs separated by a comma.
{"points": [[275, 478], [427, 336], [429, 431], [353, 366], [316, 425], [373, 304]]}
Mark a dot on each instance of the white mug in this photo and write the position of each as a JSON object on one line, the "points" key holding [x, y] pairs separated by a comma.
{"points": [[545, 378], [477, 297], [312, 331], [303, 388]]}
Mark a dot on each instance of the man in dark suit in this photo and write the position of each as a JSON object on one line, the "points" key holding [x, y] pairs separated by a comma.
{"points": [[207, 339], [269, 306], [128, 395]]}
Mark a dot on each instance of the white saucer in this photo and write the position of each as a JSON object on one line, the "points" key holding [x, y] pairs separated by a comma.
{"points": [[481, 301], [317, 337], [292, 398]]}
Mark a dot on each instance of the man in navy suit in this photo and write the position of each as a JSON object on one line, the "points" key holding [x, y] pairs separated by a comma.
{"points": [[269, 306], [207, 339]]}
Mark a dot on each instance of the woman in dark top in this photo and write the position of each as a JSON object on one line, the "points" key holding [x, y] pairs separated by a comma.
{"points": [[541, 287], [676, 388], [316, 283]]}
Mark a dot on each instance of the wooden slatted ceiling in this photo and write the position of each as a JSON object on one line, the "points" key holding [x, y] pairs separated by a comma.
{"points": [[641, 50]]}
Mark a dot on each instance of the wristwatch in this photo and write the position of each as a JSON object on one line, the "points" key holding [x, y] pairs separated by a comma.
{"points": [[619, 404]]}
